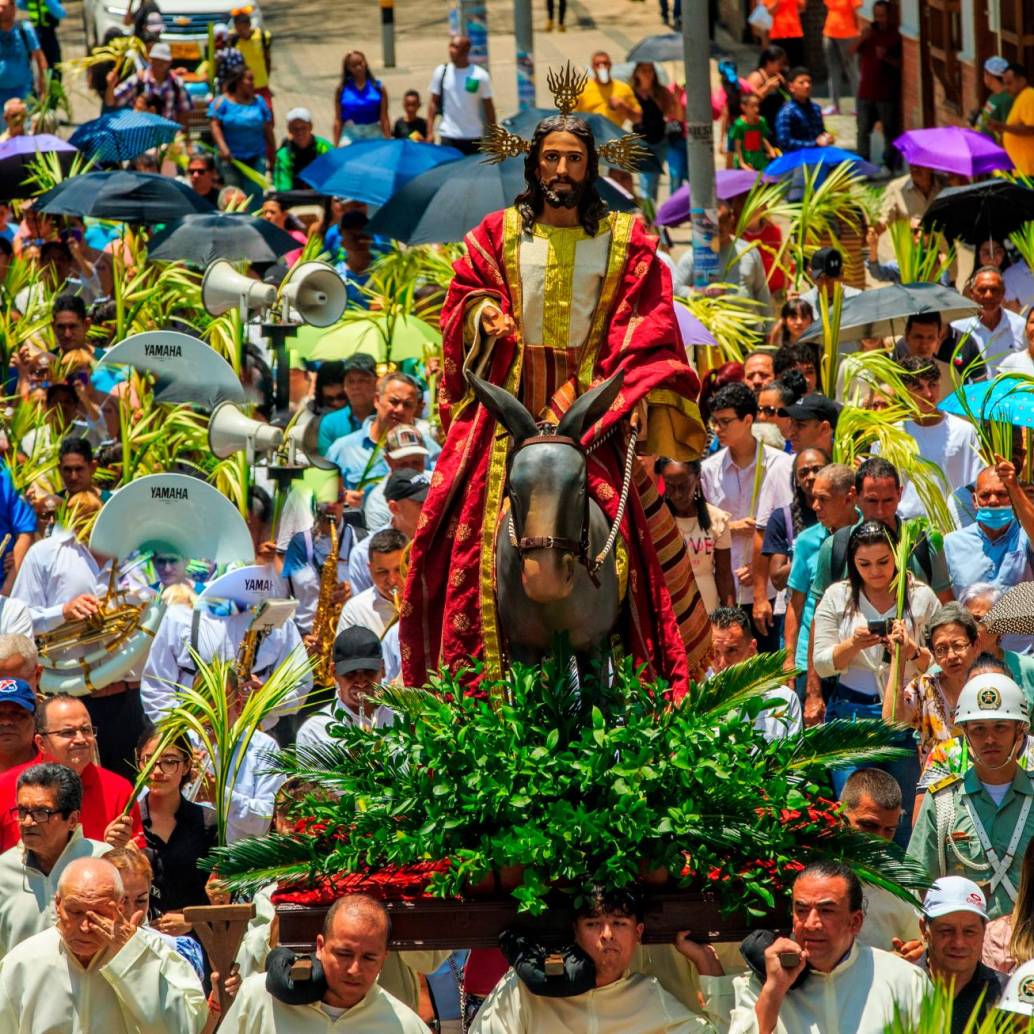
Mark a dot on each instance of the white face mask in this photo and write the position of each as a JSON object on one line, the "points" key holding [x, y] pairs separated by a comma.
{"points": [[603, 74]]}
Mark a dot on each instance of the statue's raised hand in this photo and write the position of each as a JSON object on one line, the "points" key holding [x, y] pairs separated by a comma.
{"points": [[495, 324]]}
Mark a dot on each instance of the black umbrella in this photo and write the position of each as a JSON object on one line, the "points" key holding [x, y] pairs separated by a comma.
{"points": [[127, 197], [441, 205], [202, 238], [667, 46], [981, 211], [883, 312], [524, 123]]}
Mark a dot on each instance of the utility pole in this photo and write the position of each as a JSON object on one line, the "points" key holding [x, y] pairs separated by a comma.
{"points": [[525, 54], [696, 50], [388, 33], [473, 23]]}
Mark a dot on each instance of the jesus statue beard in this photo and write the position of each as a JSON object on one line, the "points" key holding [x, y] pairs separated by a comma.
{"points": [[568, 199]]}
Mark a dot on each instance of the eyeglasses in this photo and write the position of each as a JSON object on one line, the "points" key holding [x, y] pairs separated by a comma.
{"points": [[723, 422], [166, 765], [959, 648], [38, 815], [772, 411], [88, 732]]}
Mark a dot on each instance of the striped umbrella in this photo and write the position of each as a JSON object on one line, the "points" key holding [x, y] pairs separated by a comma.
{"points": [[121, 135]]}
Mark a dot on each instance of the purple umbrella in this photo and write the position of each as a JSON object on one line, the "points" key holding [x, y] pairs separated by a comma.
{"points": [[17, 152], [729, 183], [953, 149], [693, 331]]}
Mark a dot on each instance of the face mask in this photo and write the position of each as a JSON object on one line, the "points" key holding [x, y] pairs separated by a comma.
{"points": [[994, 517], [603, 74]]}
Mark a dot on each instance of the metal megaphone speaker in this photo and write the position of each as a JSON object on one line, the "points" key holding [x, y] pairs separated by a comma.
{"points": [[230, 430], [172, 513], [223, 288], [316, 292], [303, 441]]}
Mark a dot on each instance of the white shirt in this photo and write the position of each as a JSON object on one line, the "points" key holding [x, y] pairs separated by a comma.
{"points": [[858, 997], [1019, 284], [835, 621], [887, 917], [1008, 336], [359, 559], [1017, 362], [392, 651], [169, 663], [15, 618], [313, 732], [254, 791], [375, 508], [256, 1011], [144, 988], [369, 609], [953, 446], [635, 1004], [730, 488], [461, 109], [784, 718], [59, 568], [27, 893]]}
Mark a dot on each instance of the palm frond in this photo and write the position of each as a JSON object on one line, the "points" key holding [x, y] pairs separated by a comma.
{"points": [[733, 687], [842, 743]]}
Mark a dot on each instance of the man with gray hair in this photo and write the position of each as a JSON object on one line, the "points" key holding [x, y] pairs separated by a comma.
{"points": [[351, 950], [48, 808], [871, 803], [96, 970]]}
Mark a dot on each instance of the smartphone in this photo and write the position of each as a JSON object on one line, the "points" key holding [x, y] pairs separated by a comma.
{"points": [[880, 628], [789, 959]]}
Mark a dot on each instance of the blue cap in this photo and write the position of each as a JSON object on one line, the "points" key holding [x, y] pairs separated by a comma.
{"points": [[996, 66], [16, 691]]}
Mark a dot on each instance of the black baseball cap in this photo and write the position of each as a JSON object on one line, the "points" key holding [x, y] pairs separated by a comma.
{"points": [[815, 407], [407, 484], [827, 262], [359, 363], [357, 649]]}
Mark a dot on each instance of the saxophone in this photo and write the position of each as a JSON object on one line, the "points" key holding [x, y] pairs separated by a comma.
{"points": [[328, 612]]}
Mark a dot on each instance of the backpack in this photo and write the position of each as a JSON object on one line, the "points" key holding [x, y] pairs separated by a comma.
{"points": [[838, 558], [440, 73]]}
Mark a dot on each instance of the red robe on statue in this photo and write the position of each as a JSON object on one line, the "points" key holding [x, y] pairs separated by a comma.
{"points": [[448, 614]]}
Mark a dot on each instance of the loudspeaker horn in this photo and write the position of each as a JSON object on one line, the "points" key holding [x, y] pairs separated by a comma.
{"points": [[230, 430], [316, 292], [303, 438], [223, 288]]}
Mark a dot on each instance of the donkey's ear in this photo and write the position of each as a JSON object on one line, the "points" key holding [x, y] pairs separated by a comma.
{"points": [[590, 407], [507, 410]]}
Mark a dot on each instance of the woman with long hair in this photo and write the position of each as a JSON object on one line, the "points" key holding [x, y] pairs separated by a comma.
{"points": [[856, 630], [704, 528], [1009, 939], [766, 82], [360, 103], [658, 106], [795, 317], [928, 702], [242, 128]]}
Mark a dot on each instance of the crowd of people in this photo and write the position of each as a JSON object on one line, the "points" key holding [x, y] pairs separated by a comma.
{"points": [[794, 539]]}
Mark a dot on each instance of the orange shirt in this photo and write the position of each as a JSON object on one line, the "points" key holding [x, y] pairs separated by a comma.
{"points": [[786, 19], [841, 20]]}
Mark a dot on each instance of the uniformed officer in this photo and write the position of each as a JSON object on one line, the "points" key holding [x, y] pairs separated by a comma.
{"points": [[978, 824]]}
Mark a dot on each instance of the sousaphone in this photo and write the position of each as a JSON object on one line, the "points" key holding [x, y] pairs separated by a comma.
{"points": [[162, 513]]}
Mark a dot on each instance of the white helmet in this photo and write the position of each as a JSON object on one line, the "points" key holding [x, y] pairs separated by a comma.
{"points": [[1018, 995], [991, 697]]}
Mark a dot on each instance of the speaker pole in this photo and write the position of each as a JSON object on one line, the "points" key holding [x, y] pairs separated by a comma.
{"points": [[277, 334]]}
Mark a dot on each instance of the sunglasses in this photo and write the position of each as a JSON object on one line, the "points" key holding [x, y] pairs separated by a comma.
{"points": [[239, 12], [772, 411]]}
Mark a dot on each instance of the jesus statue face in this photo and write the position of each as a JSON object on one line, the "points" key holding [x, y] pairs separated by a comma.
{"points": [[563, 164]]}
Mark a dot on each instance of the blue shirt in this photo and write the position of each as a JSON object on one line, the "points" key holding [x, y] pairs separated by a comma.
{"points": [[243, 125], [802, 572], [798, 125], [16, 516], [15, 60], [972, 557], [335, 425], [363, 107], [352, 453]]}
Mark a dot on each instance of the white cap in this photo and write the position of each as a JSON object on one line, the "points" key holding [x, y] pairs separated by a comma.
{"points": [[161, 51], [991, 697], [1018, 995], [246, 586], [954, 894], [299, 115]]}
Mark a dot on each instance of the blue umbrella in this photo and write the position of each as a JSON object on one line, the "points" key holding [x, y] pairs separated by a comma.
{"points": [[121, 135], [374, 170], [1009, 398], [827, 156]]}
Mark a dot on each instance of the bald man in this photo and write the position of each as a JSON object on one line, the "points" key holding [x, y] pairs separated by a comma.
{"points": [[95, 970], [352, 950]]}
